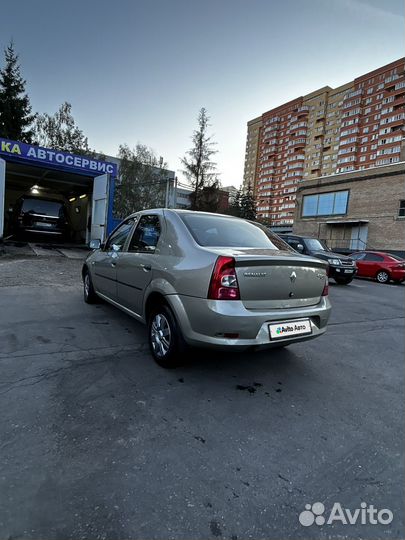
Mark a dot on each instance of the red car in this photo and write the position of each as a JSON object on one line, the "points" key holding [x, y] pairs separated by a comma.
{"points": [[380, 266]]}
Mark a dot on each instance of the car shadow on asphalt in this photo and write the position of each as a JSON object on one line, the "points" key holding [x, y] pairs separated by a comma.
{"points": [[249, 363]]}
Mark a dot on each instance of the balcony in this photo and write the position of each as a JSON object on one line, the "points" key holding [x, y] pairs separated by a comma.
{"points": [[296, 157], [297, 142], [353, 94], [393, 120], [394, 89]]}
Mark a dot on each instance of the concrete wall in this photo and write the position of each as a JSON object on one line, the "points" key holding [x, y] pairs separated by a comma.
{"points": [[374, 195]]}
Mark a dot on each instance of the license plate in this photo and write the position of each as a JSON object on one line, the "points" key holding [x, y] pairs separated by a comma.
{"points": [[348, 271], [285, 329], [43, 224]]}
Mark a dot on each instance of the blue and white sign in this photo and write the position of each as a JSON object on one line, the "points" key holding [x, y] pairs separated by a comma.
{"points": [[16, 150]]}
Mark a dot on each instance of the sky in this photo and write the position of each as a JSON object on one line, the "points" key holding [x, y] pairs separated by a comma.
{"points": [[140, 70]]}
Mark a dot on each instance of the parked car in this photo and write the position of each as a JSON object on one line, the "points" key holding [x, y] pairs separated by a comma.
{"points": [[341, 268], [205, 279], [380, 266], [40, 216]]}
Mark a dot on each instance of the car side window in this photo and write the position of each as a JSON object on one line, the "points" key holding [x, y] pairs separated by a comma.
{"points": [[358, 256], [373, 257], [117, 239], [293, 242], [146, 235]]}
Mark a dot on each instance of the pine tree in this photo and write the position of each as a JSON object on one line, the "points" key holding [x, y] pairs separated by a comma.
{"points": [[15, 109], [198, 167], [248, 204]]}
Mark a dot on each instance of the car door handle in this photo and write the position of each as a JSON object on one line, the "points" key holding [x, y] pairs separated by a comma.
{"points": [[113, 264], [146, 267]]}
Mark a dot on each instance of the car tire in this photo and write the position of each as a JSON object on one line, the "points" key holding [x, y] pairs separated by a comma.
{"points": [[382, 276], [343, 281], [89, 294], [166, 342]]}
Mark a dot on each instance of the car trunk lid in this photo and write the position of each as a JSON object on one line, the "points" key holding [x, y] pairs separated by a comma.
{"points": [[276, 279]]}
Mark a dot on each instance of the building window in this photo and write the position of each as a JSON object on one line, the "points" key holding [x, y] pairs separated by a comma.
{"points": [[325, 204], [401, 212]]}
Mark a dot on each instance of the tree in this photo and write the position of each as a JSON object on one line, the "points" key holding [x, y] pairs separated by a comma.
{"points": [[248, 204], [60, 132], [16, 116], [143, 180], [234, 207], [244, 204], [199, 169]]}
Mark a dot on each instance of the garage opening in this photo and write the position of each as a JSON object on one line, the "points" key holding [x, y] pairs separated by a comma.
{"points": [[46, 205], [53, 197]]}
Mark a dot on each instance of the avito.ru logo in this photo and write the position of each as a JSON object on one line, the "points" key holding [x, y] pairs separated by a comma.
{"points": [[313, 513]]}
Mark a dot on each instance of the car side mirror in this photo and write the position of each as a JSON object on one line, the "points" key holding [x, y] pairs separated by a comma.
{"points": [[300, 248], [95, 244]]}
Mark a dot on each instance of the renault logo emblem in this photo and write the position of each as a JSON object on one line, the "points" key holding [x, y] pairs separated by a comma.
{"points": [[293, 277]]}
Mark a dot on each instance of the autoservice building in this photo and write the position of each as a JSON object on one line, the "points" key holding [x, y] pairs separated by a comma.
{"points": [[86, 186]]}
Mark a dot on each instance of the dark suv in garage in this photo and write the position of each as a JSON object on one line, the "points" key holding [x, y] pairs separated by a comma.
{"points": [[341, 268], [41, 216]]}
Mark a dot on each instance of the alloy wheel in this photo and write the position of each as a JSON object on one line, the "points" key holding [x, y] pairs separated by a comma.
{"points": [[382, 277], [86, 285], [160, 335]]}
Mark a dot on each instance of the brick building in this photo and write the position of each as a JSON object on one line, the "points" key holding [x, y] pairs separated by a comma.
{"points": [[355, 210], [249, 173], [352, 127]]}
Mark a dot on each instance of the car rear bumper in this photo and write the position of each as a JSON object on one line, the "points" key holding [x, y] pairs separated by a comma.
{"points": [[206, 322], [38, 230], [398, 275]]}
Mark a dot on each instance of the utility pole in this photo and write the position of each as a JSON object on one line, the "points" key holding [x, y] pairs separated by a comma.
{"points": [[175, 192], [167, 192]]}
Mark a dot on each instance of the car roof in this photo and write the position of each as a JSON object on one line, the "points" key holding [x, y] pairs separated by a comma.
{"points": [[299, 236], [374, 252], [181, 211], [42, 198]]}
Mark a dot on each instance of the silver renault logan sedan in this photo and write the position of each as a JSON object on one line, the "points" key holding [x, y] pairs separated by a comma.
{"points": [[205, 279]]}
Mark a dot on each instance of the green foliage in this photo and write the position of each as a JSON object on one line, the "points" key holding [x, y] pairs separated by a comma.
{"points": [[234, 207], [16, 116], [244, 205], [248, 204], [199, 169], [143, 180], [59, 131], [209, 199]]}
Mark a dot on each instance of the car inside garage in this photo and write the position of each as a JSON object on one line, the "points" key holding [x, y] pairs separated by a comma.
{"points": [[71, 195]]}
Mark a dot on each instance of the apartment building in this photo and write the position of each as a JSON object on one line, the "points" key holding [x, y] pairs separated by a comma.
{"points": [[353, 127], [252, 141]]}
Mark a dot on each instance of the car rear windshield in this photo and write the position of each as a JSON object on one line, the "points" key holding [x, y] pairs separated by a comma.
{"points": [[396, 257], [43, 207], [316, 245], [218, 231]]}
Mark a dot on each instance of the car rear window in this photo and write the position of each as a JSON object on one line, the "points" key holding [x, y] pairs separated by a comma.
{"points": [[218, 231], [44, 207], [396, 257]]}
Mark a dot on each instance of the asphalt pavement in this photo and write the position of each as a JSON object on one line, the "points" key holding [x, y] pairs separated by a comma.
{"points": [[96, 441]]}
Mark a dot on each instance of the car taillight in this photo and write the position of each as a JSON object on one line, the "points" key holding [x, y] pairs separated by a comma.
{"points": [[325, 291], [224, 283]]}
